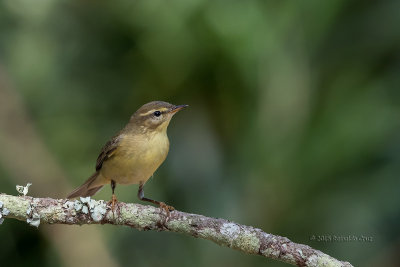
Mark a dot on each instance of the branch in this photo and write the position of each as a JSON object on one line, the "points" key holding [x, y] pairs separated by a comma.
{"points": [[247, 239]]}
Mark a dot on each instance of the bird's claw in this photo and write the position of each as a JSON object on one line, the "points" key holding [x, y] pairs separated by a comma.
{"points": [[166, 207], [113, 202]]}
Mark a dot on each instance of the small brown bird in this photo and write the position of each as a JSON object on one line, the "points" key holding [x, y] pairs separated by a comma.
{"points": [[134, 154]]}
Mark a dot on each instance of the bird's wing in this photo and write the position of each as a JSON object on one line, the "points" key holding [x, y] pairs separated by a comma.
{"points": [[108, 151]]}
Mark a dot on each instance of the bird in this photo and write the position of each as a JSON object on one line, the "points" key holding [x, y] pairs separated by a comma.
{"points": [[134, 153]]}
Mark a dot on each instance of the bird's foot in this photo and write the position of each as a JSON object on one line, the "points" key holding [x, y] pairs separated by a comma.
{"points": [[166, 207], [113, 202]]}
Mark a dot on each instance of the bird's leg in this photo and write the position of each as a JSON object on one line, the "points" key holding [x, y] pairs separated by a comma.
{"points": [[162, 205], [113, 197]]}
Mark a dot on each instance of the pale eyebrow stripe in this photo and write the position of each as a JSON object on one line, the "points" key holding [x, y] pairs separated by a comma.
{"points": [[153, 110]]}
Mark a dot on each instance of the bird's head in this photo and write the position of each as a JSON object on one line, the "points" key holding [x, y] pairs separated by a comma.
{"points": [[155, 116]]}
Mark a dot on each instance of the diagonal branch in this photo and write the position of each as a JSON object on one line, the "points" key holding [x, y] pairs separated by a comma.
{"points": [[247, 239]]}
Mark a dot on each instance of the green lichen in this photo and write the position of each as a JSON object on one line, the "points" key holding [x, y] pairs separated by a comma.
{"points": [[16, 205], [322, 261], [247, 241], [210, 233], [180, 226], [327, 261], [140, 218], [127, 214], [242, 240], [269, 252]]}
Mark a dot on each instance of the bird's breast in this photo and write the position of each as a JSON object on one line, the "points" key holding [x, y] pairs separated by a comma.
{"points": [[136, 158]]}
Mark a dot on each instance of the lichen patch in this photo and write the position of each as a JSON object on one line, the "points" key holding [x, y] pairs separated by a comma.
{"points": [[248, 241], [23, 190], [230, 229]]}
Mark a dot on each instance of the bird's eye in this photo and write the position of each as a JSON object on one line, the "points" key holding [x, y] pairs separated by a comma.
{"points": [[157, 113]]}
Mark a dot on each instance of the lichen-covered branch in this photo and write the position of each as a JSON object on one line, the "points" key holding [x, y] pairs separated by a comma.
{"points": [[247, 239]]}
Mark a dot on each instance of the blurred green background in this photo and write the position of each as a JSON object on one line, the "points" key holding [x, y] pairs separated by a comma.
{"points": [[293, 125]]}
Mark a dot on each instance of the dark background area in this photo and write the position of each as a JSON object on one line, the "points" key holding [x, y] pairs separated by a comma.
{"points": [[293, 125]]}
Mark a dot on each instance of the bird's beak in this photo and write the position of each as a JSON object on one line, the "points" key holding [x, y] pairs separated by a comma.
{"points": [[177, 108]]}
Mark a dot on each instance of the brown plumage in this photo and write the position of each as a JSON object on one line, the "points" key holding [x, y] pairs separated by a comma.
{"points": [[134, 154]]}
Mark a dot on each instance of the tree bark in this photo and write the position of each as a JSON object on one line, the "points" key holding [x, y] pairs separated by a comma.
{"points": [[246, 239]]}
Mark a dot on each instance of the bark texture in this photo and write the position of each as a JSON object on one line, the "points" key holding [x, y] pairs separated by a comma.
{"points": [[250, 240]]}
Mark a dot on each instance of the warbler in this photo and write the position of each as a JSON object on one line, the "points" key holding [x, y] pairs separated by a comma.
{"points": [[134, 154]]}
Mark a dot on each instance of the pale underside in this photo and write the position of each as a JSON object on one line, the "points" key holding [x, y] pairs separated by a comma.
{"points": [[134, 161]]}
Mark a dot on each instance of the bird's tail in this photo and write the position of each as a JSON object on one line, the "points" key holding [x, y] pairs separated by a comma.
{"points": [[86, 189]]}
